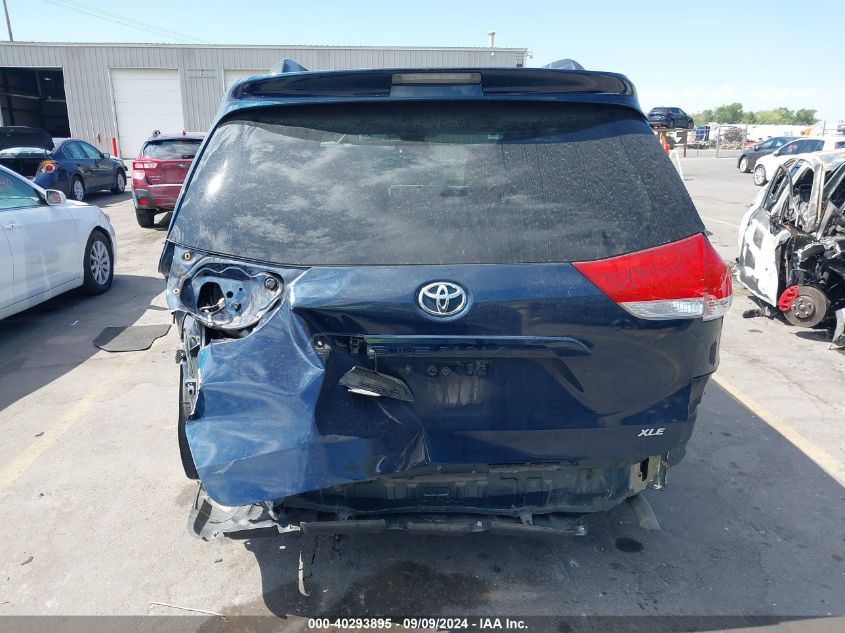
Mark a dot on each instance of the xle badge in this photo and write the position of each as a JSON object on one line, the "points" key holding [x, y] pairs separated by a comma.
{"points": [[650, 432]]}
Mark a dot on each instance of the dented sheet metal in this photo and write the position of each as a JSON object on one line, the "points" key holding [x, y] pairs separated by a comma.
{"points": [[758, 256]]}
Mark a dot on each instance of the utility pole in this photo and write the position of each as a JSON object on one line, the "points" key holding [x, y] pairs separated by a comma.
{"points": [[8, 21]]}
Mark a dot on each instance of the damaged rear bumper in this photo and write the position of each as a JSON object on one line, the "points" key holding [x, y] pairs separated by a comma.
{"points": [[209, 521], [532, 499], [269, 418]]}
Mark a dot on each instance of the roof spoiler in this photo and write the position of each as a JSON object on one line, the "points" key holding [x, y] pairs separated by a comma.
{"points": [[287, 66], [565, 64], [577, 85]]}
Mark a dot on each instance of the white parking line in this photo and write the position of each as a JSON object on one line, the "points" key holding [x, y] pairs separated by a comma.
{"points": [[35, 450], [705, 218], [824, 460]]}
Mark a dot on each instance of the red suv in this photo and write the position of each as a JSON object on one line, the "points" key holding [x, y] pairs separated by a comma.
{"points": [[160, 170]]}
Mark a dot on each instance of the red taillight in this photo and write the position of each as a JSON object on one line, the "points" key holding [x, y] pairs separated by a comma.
{"points": [[138, 164], [682, 280], [48, 165]]}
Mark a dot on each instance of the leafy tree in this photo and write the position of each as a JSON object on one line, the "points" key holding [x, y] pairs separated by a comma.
{"points": [[785, 116], [766, 116], [733, 113], [730, 113], [805, 116], [778, 116], [703, 118]]}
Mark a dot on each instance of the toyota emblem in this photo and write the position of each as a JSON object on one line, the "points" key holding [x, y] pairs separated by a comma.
{"points": [[442, 298]]}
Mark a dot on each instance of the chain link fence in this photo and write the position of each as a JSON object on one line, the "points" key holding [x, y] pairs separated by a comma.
{"points": [[718, 141]]}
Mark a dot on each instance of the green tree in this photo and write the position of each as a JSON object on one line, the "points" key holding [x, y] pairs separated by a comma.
{"points": [[733, 113], [785, 116], [778, 116], [729, 113], [765, 116], [805, 116], [703, 118]]}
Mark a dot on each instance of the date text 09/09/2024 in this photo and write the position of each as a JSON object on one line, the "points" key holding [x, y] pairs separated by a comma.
{"points": [[450, 624]]}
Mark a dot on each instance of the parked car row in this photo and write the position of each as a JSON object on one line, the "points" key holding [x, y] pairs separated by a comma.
{"points": [[51, 244], [748, 158], [77, 168], [764, 158]]}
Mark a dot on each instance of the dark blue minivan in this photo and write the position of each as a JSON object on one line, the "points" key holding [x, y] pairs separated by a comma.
{"points": [[437, 300]]}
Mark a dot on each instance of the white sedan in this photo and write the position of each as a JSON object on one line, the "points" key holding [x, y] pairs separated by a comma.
{"points": [[49, 245], [768, 164]]}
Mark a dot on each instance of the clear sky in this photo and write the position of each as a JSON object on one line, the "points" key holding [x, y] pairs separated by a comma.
{"points": [[693, 55]]}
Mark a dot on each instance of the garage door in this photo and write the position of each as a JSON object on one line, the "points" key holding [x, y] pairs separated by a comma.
{"points": [[231, 76], [145, 99]]}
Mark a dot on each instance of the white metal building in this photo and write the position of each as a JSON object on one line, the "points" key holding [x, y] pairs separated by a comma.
{"points": [[117, 94]]}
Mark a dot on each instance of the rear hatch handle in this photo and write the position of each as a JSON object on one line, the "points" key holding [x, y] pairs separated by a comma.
{"points": [[366, 382], [476, 347]]}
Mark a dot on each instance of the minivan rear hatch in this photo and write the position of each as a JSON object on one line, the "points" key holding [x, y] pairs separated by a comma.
{"points": [[365, 216]]}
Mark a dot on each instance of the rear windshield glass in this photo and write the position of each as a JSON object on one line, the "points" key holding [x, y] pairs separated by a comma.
{"points": [[433, 183], [176, 149]]}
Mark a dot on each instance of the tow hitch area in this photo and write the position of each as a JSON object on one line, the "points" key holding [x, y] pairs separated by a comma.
{"points": [[209, 520], [447, 524], [516, 500]]}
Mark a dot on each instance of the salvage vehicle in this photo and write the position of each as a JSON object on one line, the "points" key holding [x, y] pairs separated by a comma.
{"points": [[49, 245], [160, 170], [766, 165], [442, 301], [748, 158], [669, 118], [69, 165], [792, 243]]}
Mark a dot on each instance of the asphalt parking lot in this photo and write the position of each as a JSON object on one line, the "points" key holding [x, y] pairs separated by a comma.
{"points": [[96, 503]]}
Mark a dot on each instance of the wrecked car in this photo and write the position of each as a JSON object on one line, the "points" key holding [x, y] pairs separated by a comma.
{"points": [[442, 301], [792, 243]]}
